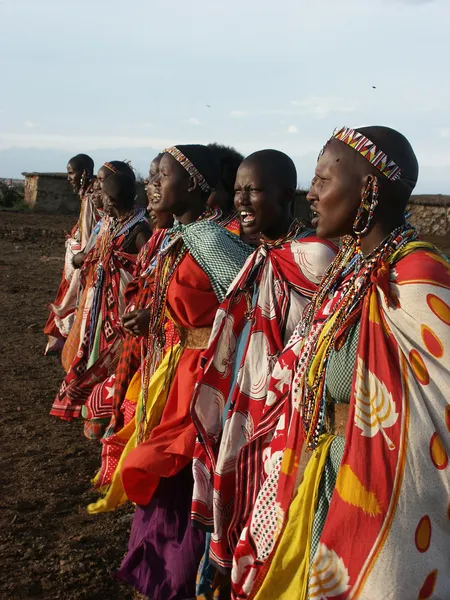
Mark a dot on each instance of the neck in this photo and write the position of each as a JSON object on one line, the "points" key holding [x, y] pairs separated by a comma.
{"points": [[192, 214], [378, 233], [278, 229], [123, 212]]}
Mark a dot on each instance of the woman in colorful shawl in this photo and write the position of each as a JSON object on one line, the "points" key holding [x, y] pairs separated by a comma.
{"points": [[192, 275], [108, 407], [80, 174], [115, 257], [76, 333], [126, 386], [252, 326], [350, 478]]}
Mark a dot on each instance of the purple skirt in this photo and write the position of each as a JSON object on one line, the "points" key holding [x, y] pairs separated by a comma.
{"points": [[164, 550]]}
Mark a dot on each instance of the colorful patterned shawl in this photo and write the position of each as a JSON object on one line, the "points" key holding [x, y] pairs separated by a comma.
{"points": [[387, 531], [113, 273], [276, 283]]}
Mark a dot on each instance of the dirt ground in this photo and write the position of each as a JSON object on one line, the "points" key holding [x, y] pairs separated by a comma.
{"points": [[49, 546]]}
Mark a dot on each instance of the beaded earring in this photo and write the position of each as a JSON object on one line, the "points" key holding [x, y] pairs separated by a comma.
{"points": [[361, 227], [83, 180]]}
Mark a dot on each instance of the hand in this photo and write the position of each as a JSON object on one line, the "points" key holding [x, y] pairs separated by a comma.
{"points": [[136, 322], [78, 260]]}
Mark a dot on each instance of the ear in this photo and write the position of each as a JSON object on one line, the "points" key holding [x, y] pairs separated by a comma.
{"points": [[366, 182], [193, 184]]}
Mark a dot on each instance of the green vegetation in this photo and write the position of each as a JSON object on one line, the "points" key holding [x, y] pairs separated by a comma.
{"points": [[12, 197]]}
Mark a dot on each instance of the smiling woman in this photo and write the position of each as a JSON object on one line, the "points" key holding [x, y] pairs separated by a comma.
{"points": [[251, 327], [150, 455]]}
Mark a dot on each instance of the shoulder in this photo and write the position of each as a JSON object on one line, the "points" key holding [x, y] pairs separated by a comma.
{"points": [[313, 255], [422, 265]]}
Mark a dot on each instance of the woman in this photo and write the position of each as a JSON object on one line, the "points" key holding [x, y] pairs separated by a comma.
{"points": [[75, 337], [80, 174], [222, 197], [354, 440], [192, 275], [251, 327], [120, 435], [108, 406], [115, 256]]}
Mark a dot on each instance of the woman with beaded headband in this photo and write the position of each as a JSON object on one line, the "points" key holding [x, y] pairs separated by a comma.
{"points": [[80, 175], [122, 390], [192, 273], [109, 407], [349, 476], [114, 257], [251, 327]]}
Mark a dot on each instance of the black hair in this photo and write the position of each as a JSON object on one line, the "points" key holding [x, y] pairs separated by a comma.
{"points": [[228, 160], [82, 162], [204, 161], [122, 167], [397, 148], [278, 165], [157, 158], [120, 184]]}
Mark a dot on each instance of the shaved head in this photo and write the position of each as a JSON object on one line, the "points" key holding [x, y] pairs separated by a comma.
{"points": [[82, 162], [276, 165]]}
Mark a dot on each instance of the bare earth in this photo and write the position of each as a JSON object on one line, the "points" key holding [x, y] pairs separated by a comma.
{"points": [[49, 546]]}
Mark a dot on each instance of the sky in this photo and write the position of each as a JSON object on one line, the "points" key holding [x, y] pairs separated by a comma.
{"points": [[124, 79]]}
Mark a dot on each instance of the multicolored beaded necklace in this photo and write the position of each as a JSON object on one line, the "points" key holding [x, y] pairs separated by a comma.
{"points": [[166, 265], [116, 228], [350, 264]]}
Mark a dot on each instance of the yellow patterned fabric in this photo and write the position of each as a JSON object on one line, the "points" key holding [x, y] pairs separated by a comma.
{"points": [[158, 390]]}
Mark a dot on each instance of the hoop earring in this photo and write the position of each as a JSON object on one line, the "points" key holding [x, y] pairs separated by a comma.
{"points": [[361, 225]]}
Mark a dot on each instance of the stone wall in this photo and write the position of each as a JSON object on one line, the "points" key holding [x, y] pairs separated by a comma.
{"points": [[50, 193], [430, 214]]}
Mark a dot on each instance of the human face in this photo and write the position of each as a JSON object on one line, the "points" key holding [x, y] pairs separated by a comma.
{"points": [[97, 196], [153, 195], [262, 204], [336, 191], [101, 176], [74, 177], [108, 205], [172, 185]]}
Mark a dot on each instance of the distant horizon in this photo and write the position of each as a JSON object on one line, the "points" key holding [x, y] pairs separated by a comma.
{"points": [[123, 80], [54, 160]]}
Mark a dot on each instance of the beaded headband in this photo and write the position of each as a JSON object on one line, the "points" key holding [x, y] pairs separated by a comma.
{"points": [[190, 168], [366, 148], [111, 167]]}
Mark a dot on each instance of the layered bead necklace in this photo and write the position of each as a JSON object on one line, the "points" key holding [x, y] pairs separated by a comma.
{"points": [[354, 270], [167, 263]]}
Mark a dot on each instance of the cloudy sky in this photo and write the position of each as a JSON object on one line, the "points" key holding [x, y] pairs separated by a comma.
{"points": [[121, 79]]}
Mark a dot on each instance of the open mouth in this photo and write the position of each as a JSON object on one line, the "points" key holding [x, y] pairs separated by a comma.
{"points": [[247, 217], [314, 217]]}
